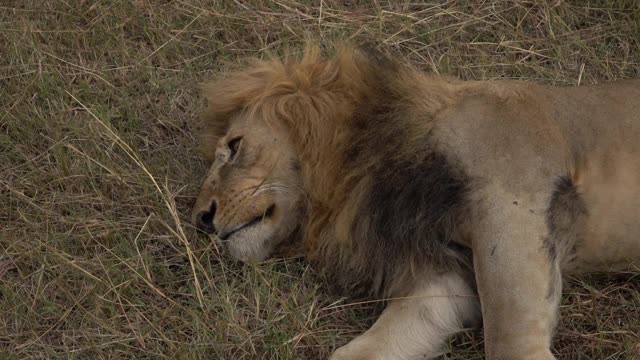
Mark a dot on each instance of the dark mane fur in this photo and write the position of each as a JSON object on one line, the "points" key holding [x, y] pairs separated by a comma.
{"points": [[413, 196], [383, 200]]}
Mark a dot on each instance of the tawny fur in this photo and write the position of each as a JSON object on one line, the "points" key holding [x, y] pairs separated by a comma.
{"points": [[321, 100], [394, 176]]}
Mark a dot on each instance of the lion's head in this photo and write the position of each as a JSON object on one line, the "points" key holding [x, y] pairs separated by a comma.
{"points": [[251, 196], [259, 122], [335, 148]]}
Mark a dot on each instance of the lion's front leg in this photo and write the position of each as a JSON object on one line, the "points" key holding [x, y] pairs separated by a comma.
{"points": [[416, 326], [519, 282]]}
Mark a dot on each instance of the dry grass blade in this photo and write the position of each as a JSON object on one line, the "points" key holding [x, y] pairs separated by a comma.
{"points": [[165, 196]]}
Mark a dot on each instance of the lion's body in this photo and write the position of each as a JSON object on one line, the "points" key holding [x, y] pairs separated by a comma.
{"points": [[435, 189], [531, 135]]}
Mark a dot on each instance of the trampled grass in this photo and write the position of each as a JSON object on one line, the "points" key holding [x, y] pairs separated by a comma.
{"points": [[98, 169]]}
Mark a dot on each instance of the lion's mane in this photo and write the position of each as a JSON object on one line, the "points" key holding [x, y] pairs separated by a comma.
{"points": [[382, 202]]}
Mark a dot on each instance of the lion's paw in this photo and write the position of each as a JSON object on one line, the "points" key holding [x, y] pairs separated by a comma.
{"points": [[355, 351]]}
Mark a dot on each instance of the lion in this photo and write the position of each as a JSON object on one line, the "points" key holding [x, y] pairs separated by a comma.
{"points": [[460, 203]]}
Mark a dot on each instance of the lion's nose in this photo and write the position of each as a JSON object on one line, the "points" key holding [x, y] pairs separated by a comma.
{"points": [[204, 219]]}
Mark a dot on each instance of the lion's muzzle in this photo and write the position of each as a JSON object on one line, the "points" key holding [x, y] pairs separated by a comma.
{"points": [[204, 219]]}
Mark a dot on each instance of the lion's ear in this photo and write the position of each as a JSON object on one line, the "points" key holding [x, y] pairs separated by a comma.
{"points": [[226, 98], [209, 132], [213, 123]]}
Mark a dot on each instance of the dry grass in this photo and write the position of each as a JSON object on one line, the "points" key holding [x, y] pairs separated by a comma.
{"points": [[98, 169]]}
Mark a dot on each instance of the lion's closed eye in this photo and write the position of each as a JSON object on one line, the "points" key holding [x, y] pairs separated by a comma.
{"points": [[234, 147]]}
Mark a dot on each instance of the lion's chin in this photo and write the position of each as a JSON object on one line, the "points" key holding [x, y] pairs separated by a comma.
{"points": [[250, 246]]}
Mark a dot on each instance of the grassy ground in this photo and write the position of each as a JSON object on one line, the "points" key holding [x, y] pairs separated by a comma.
{"points": [[98, 169]]}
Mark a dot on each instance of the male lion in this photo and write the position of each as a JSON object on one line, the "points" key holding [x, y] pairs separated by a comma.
{"points": [[453, 199]]}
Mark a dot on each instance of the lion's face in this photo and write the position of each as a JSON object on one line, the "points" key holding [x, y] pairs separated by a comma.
{"points": [[251, 196]]}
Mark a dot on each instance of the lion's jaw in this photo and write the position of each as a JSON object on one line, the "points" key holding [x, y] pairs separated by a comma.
{"points": [[251, 197]]}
